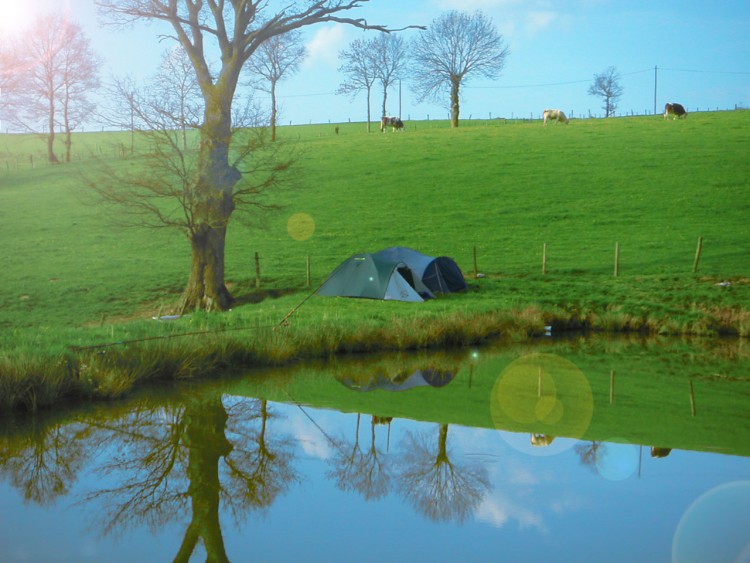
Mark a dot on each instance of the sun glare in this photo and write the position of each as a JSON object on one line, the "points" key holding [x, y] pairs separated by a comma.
{"points": [[15, 15]]}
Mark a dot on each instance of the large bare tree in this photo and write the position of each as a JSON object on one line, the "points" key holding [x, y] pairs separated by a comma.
{"points": [[276, 59], [455, 46], [607, 86], [55, 73], [233, 31]]}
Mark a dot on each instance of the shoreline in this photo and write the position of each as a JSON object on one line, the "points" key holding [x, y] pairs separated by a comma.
{"points": [[110, 371]]}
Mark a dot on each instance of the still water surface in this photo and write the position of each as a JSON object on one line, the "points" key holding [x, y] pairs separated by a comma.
{"points": [[585, 450]]}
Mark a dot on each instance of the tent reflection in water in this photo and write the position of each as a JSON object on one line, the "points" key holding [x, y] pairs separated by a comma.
{"points": [[400, 274], [400, 382]]}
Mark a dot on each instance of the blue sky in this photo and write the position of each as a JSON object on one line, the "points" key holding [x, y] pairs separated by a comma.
{"points": [[701, 48]]}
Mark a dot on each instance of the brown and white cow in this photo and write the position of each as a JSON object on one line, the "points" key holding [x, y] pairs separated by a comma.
{"points": [[675, 110], [555, 115], [394, 122]]}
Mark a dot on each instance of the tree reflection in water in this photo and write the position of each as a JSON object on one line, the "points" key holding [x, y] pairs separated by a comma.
{"points": [[198, 455], [43, 461], [590, 453], [189, 457], [368, 472], [434, 485]]}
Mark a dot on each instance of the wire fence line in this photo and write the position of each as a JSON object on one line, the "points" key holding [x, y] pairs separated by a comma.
{"points": [[11, 161]]}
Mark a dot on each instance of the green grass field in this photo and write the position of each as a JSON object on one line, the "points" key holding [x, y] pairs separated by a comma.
{"points": [[71, 277]]}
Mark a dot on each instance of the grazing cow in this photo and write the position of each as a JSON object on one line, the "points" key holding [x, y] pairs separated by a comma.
{"points": [[555, 115], [541, 439], [394, 122], [675, 110]]}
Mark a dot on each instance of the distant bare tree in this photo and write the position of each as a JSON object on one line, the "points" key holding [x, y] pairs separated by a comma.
{"points": [[5, 76], [56, 71], [455, 46], [177, 88], [390, 58], [607, 86], [79, 74], [359, 70], [276, 59]]}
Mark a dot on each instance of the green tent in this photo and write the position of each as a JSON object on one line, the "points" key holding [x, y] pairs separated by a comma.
{"points": [[375, 277]]}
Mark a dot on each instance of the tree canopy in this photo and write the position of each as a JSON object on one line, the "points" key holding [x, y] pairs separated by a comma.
{"points": [[454, 47]]}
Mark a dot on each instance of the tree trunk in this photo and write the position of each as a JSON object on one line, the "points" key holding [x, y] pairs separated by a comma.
{"points": [[213, 192], [206, 289], [385, 99], [205, 438], [369, 117], [273, 111], [454, 102], [51, 136]]}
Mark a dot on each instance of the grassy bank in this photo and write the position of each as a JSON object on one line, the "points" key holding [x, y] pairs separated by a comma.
{"points": [[498, 189]]}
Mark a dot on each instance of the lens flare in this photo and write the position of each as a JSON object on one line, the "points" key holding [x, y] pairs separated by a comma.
{"points": [[300, 226], [545, 396], [618, 461], [716, 527]]}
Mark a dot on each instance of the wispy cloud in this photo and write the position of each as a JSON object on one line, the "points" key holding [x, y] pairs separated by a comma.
{"points": [[471, 5], [498, 510], [323, 48], [538, 21]]}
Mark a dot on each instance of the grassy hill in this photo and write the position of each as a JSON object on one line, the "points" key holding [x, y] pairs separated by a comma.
{"points": [[501, 188]]}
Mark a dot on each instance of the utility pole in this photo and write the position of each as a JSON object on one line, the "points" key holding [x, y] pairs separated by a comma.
{"points": [[399, 98]]}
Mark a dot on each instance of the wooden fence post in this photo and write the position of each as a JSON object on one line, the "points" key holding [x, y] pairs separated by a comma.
{"points": [[617, 259], [257, 270], [539, 383], [697, 254]]}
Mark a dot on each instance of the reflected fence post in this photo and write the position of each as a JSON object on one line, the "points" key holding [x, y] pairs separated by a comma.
{"points": [[692, 398]]}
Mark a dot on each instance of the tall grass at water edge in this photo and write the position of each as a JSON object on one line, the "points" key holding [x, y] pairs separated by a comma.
{"points": [[500, 189]]}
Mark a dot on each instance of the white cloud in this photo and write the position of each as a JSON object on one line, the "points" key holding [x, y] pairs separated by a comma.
{"points": [[323, 48], [498, 510], [538, 21], [471, 5]]}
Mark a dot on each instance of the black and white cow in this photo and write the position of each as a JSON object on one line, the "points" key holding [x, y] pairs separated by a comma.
{"points": [[675, 110], [394, 122]]}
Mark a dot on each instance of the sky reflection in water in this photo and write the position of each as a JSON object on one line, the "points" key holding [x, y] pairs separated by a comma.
{"points": [[272, 481]]}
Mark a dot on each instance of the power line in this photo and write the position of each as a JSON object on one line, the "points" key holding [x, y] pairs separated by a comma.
{"points": [[586, 81], [706, 71], [548, 84]]}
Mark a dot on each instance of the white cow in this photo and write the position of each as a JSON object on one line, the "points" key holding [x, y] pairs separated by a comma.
{"points": [[541, 439], [555, 115]]}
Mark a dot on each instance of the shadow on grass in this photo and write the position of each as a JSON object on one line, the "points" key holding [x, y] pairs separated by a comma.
{"points": [[254, 296]]}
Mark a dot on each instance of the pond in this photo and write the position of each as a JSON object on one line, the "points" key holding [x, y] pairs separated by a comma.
{"points": [[581, 449]]}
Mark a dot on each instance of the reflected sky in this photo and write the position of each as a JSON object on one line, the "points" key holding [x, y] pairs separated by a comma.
{"points": [[626, 507], [163, 479]]}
